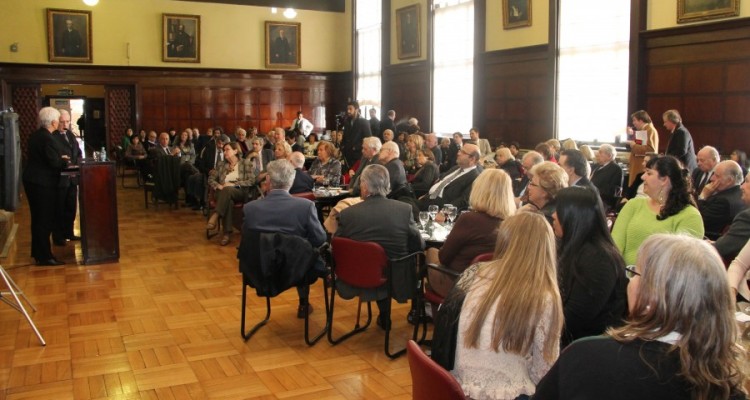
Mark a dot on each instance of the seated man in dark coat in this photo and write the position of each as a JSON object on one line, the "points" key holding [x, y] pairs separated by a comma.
{"points": [[303, 182], [721, 200], [730, 243], [454, 186], [576, 166], [281, 212], [378, 219], [607, 177]]}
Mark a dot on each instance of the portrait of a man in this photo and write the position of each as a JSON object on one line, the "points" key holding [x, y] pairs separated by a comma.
{"points": [[516, 13], [69, 35], [282, 44], [407, 20], [181, 38]]}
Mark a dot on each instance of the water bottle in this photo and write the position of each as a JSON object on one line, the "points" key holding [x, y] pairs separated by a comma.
{"points": [[103, 154]]}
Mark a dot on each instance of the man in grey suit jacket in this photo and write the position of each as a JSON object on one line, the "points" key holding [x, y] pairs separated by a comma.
{"points": [[281, 212], [381, 220], [370, 149], [454, 187]]}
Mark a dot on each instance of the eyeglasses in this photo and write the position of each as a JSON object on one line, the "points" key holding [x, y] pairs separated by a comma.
{"points": [[630, 272]]}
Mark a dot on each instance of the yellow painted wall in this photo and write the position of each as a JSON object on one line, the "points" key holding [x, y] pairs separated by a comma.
{"points": [[501, 39], [663, 14], [423, 13], [231, 36]]}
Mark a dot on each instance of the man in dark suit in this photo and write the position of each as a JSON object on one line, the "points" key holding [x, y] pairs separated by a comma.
{"points": [[378, 219], [453, 149], [150, 142], [607, 176], [431, 142], [280, 212], [389, 158], [708, 159], [576, 166], [454, 186], [370, 148], [163, 148], [356, 128], [375, 124], [721, 200], [303, 182], [680, 142], [730, 243], [40, 179], [388, 123], [67, 189], [205, 163]]}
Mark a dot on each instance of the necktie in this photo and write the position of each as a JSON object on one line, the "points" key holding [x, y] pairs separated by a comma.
{"points": [[706, 176], [166, 150], [445, 182]]}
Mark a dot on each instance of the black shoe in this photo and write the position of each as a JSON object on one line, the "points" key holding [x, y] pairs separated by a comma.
{"points": [[74, 238], [304, 310], [383, 325], [59, 242], [51, 262]]}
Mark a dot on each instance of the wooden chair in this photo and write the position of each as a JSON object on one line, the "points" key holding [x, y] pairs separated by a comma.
{"points": [[429, 381], [271, 276], [365, 265]]}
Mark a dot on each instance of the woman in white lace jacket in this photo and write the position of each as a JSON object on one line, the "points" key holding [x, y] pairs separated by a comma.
{"points": [[511, 319]]}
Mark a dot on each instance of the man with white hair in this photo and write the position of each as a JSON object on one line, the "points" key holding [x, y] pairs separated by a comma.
{"points": [[387, 222], [607, 176], [303, 182], [389, 158], [721, 200], [67, 189], [431, 142], [370, 148], [281, 212], [708, 159]]}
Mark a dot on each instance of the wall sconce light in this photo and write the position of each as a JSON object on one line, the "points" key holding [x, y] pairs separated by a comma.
{"points": [[91, 2], [290, 13]]}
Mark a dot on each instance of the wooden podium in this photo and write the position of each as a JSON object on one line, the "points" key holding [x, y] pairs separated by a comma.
{"points": [[98, 212]]}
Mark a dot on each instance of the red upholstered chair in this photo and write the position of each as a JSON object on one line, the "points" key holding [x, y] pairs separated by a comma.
{"points": [[305, 195], [437, 299], [429, 381], [365, 265]]}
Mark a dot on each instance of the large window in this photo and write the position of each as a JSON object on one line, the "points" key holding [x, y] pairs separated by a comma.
{"points": [[453, 75], [592, 102], [368, 45]]}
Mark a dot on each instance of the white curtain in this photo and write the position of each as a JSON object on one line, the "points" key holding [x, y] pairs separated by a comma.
{"points": [[368, 27], [592, 89], [453, 87]]}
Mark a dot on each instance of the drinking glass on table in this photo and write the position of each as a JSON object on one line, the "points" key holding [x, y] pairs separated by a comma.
{"points": [[432, 211], [424, 216]]}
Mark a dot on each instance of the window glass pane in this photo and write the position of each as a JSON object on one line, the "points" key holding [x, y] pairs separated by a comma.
{"points": [[368, 43]]}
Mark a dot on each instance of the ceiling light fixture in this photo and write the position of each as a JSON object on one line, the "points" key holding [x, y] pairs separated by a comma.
{"points": [[91, 2], [290, 13]]}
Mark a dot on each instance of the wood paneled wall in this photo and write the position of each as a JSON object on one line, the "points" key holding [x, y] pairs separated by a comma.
{"points": [[703, 71], [517, 103], [183, 98], [406, 89]]}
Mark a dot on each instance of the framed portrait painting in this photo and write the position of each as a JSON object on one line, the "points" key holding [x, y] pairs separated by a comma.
{"points": [[181, 38], [69, 35], [700, 10], [283, 46], [407, 32], [516, 13]]}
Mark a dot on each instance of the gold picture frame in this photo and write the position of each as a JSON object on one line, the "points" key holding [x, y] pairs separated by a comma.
{"points": [[408, 32], [69, 35], [701, 10], [283, 45], [181, 38], [516, 13]]}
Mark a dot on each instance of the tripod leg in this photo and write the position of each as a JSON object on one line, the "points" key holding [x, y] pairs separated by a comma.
{"points": [[21, 308]]}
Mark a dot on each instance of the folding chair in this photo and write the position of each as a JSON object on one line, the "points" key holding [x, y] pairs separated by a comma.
{"points": [[365, 265], [14, 291], [429, 381], [272, 263]]}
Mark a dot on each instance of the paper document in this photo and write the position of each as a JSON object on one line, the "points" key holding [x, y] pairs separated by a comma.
{"points": [[641, 137]]}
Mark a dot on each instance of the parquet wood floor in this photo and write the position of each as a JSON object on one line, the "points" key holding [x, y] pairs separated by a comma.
{"points": [[163, 323]]}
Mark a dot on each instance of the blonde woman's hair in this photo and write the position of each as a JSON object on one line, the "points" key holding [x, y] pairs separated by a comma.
{"points": [[523, 288], [552, 178], [418, 141], [286, 146], [505, 152], [683, 288], [587, 153], [554, 144], [492, 194], [569, 144]]}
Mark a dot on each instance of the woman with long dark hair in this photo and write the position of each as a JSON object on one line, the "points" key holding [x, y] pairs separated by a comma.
{"points": [[591, 269], [669, 208]]}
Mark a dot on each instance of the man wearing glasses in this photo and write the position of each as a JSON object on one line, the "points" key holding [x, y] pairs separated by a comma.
{"points": [[454, 186]]}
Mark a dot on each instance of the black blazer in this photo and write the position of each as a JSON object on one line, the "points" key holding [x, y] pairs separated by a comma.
{"points": [[43, 160], [681, 147], [66, 144], [730, 243], [303, 182], [456, 193], [719, 209], [607, 179], [387, 123], [351, 145], [696, 177]]}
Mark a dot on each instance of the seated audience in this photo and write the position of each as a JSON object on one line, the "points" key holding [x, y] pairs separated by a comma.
{"points": [[569, 144], [547, 179], [669, 208], [707, 158], [588, 154], [515, 149], [638, 149], [636, 189], [475, 232], [454, 186], [311, 145], [607, 176], [575, 165], [427, 173], [303, 182], [591, 269], [135, 151], [413, 144], [370, 148], [326, 168], [680, 341], [281, 151], [445, 149], [740, 157], [260, 155], [280, 212], [737, 273], [508, 333], [554, 146], [721, 200], [389, 158], [729, 244], [529, 160], [546, 151], [385, 221], [245, 143], [505, 161], [431, 143], [483, 144], [187, 150], [232, 181]]}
